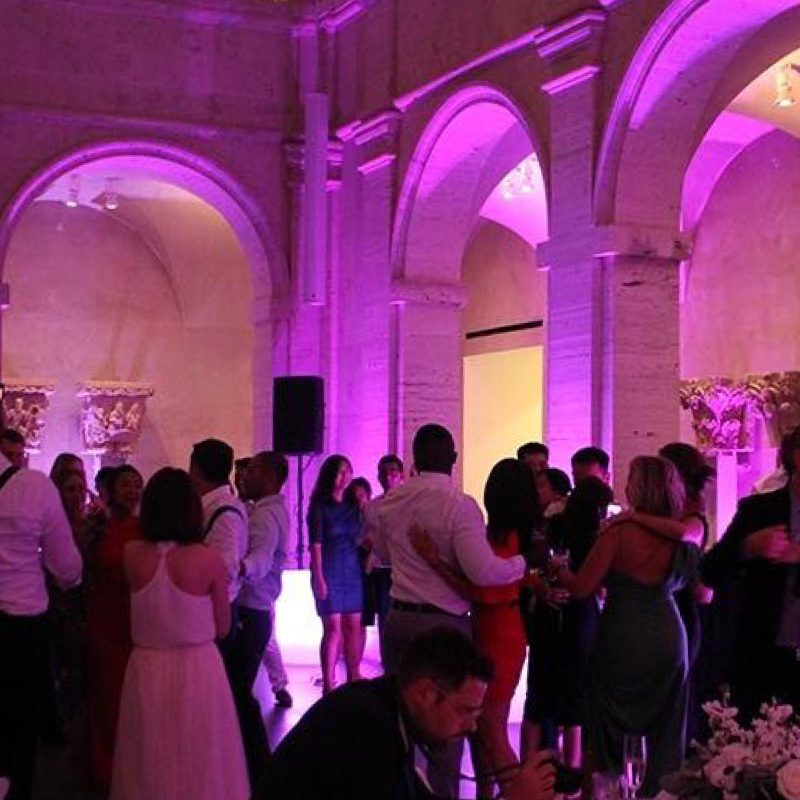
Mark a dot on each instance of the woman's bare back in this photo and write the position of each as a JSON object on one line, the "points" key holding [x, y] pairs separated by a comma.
{"points": [[192, 568], [642, 555]]}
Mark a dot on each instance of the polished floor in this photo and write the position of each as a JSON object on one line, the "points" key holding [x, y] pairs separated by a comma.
{"points": [[298, 630]]}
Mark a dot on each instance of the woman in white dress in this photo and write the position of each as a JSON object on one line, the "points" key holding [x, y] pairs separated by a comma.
{"points": [[178, 736]]}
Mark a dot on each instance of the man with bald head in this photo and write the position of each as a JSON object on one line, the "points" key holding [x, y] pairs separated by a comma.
{"points": [[420, 598]]}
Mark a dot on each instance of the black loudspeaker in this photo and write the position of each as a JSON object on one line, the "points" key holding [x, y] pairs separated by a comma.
{"points": [[298, 414]]}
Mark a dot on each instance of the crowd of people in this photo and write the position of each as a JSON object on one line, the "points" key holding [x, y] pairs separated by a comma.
{"points": [[133, 621]]}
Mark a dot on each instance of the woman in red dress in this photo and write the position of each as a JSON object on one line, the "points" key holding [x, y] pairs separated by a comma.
{"points": [[512, 509], [108, 620]]}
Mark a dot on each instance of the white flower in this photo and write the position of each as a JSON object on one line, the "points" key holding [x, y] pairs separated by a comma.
{"points": [[716, 710], [721, 771], [737, 754], [789, 780]]}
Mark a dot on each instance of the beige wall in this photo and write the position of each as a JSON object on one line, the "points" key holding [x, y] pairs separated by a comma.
{"points": [[503, 286], [503, 383], [165, 302], [740, 314]]}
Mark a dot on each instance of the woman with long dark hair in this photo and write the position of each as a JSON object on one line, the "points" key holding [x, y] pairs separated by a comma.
{"points": [[562, 633], [178, 731], [108, 628], [512, 513], [334, 530]]}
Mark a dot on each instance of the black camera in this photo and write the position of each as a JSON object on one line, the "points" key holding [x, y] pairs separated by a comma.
{"points": [[568, 780]]}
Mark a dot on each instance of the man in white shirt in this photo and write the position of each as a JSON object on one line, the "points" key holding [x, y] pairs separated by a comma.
{"points": [[225, 520], [391, 474], [35, 539], [263, 565], [420, 598], [273, 660]]}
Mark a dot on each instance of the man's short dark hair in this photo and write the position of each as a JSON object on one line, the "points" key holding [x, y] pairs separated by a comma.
{"points": [[434, 449], [446, 656], [390, 460], [276, 462], [242, 463], [592, 455], [533, 449], [214, 459], [789, 443], [12, 437]]}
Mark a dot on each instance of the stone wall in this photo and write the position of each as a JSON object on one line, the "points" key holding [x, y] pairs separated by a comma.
{"points": [[92, 301], [735, 319]]}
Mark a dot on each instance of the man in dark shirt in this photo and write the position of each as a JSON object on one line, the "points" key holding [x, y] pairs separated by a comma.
{"points": [[362, 741], [757, 565]]}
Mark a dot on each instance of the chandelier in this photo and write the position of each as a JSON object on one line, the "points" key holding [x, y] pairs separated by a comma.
{"points": [[523, 179], [784, 96]]}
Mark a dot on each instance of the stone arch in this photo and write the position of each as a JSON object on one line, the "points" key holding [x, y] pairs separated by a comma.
{"points": [[198, 175], [215, 186], [696, 57], [471, 141]]}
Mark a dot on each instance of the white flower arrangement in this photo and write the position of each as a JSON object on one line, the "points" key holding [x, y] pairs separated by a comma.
{"points": [[758, 762]]}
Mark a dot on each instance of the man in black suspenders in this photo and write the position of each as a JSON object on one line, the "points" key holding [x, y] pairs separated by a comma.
{"points": [[225, 520]]}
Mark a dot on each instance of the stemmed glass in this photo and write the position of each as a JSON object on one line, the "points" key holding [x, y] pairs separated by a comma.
{"points": [[634, 763]]}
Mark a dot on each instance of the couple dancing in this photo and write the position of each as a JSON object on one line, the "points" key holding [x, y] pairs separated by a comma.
{"points": [[638, 673]]}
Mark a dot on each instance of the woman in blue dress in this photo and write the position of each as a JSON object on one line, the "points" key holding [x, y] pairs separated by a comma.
{"points": [[334, 527]]}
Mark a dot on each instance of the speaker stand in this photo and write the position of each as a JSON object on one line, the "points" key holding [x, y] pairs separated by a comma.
{"points": [[300, 559]]}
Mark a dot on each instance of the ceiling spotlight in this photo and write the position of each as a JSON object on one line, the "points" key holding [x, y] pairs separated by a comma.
{"points": [[111, 195], [73, 191], [783, 86]]}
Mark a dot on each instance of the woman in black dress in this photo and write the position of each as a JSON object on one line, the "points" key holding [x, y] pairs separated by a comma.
{"points": [[563, 629]]}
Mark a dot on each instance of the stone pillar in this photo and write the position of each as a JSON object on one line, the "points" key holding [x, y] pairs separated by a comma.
{"points": [[640, 357], [573, 369], [364, 368], [612, 324], [613, 342], [426, 359], [305, 334]]}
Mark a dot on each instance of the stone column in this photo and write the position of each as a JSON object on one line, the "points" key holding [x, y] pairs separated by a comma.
{"points": [[612, 325], [640, 356], [573, 368], [305, 334], [364, 368], [427, 363]]}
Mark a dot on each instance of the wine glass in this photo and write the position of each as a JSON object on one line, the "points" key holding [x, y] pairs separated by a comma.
{"points": [[634, 762]]}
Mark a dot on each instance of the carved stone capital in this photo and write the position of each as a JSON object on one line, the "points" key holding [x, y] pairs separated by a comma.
{"points": [[112, 415], [723, 412], [780, 401], [26, 404]]}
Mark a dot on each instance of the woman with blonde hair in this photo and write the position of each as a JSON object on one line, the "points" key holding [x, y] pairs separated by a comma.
{"points": [[638, 673]]}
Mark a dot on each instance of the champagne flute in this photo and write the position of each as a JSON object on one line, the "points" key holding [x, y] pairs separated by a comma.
{"points": [[634, 762]]}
